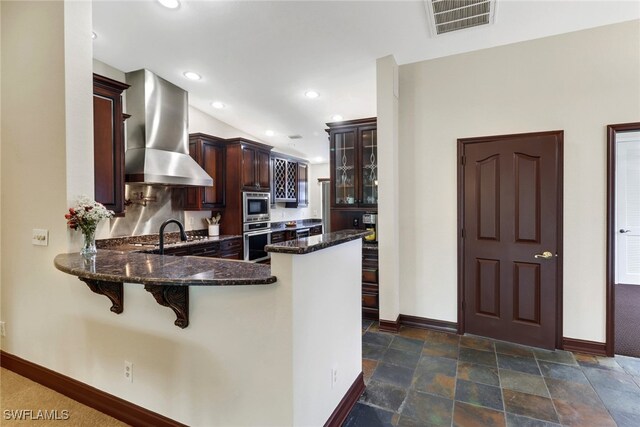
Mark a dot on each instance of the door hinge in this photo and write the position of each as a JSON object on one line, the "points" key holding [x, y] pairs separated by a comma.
{"points": [[462, 160], [462, 305], [462, 233]]}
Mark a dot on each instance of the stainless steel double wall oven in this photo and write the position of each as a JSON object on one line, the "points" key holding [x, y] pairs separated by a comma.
{"points": [[256, 214]]}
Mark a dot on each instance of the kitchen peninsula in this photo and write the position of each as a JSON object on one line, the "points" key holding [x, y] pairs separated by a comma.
{"points": [[312, 359]]}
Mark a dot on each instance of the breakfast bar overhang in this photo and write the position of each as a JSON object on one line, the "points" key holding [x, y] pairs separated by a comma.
{"points": [[296, 329]]}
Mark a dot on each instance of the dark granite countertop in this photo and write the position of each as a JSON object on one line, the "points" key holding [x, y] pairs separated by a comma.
{"points": [[149, 243], [305, 223], [310, 244], [135, 267]]}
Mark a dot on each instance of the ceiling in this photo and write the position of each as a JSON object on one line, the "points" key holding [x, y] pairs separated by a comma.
{"points": [[260, 57]]}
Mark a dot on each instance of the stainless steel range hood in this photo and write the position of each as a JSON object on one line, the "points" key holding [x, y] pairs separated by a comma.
{"points": [[157, 135]]}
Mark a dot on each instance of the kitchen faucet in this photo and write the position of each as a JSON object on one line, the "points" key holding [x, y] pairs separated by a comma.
{"points": [[183, 235]]}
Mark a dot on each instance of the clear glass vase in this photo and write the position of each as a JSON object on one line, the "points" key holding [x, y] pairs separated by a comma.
{"points": [[89, 249]]}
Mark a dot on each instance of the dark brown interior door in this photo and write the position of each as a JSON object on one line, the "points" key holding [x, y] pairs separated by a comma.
{"points": [[511, 198]]}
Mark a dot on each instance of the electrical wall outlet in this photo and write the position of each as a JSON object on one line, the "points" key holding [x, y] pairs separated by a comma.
{"points": [[334, 377], [40, 237], [128, 371], [2, 330]]}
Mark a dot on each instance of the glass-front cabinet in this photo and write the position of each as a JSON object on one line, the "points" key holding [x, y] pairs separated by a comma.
{"points": [[354, 163], [369, 167], [344, 158]]}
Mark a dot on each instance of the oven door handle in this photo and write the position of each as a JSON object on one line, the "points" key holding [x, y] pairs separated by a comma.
{"points": [[257, 233]]}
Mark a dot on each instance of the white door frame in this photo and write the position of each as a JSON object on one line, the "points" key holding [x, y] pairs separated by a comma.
{"points": [[627, 159], [612, 231]]}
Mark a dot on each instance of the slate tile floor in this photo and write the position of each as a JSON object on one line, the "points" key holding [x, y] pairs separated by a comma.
{"points": [[428, 378]]}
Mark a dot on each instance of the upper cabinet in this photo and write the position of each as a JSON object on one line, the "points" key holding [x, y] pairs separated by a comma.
{"points": [[354, 163], [254, 158], [108, 142], [285, 179], [209, 152], [303, 185], [247, 166], [290, 180]]}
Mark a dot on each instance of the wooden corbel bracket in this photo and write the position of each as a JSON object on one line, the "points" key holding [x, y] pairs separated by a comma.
{"points": [[174, 297], [112, 290]]}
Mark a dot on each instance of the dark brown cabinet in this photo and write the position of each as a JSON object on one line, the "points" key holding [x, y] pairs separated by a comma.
{"points": [[249, 179], [291, 234], [178, 251], [247, 169], [315, 230], [354, 192], [255, 166], [262, 170], [108, 142], [209, 152], [231, 249], [277, 236], [227, 249], [303, 185], [370, 293], [283, 236], [354, 163]]}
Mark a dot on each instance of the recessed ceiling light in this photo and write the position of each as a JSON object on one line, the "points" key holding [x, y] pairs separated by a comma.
{"points": [[337, 118], [311, 94], [192, 76], [94, 35], [319, 159], [219, 105], [269, 133], [170, 4]]}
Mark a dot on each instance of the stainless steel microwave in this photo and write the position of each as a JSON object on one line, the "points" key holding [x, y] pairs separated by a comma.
{"points": [[256, 207]]}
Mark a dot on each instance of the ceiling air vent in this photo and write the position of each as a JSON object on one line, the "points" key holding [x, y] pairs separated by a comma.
{"points": [[446, 16], [295, 136]]}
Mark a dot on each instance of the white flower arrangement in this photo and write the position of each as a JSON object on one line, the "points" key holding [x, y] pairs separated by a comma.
{"points": [[86, 215]]}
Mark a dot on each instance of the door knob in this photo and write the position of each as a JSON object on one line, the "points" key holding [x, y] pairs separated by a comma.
{"points": [[545, 255], [622, 231]]}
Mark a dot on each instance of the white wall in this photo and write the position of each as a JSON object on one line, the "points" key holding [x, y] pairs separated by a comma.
{"points": [[37, 304], [389, 200], [1, 175], [330, 278], [577, 82], [79, 130], [200, 121], [107, 70]]}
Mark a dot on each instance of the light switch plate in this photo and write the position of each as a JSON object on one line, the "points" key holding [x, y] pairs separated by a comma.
{"points": [[40, 237]]}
